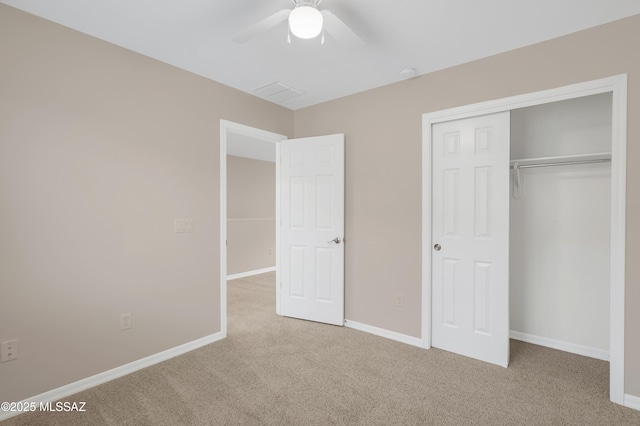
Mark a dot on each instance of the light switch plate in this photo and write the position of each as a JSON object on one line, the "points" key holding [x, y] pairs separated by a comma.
{"points": [[184, 225]]}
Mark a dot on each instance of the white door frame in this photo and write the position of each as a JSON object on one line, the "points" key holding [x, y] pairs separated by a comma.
{"points": [[227, 127], [616, 85]]}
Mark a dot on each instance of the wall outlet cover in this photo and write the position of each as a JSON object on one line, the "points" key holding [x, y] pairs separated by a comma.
{"points": [[125, 321], [8, 350]]}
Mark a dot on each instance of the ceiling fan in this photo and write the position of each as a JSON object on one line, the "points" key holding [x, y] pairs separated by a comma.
{"points": [[306, 22]]}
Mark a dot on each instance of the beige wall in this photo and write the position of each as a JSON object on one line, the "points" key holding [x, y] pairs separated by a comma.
{"points": [[100, 150], [251, 213], [383, 165]]}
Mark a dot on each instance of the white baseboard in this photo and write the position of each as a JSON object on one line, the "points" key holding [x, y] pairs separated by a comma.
{"points": [[561, 345], [398, 337], [106, 376], [250, 273], [632, 401]]}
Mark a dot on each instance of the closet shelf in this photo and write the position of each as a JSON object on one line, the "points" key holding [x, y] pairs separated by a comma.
{"points": [[561, 160]]}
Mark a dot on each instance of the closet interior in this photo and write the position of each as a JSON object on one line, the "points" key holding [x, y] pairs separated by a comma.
{"points": [[560, 224]]}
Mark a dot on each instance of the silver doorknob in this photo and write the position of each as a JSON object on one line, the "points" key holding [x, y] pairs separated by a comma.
{"points": [[437, 247], [336, 240]]}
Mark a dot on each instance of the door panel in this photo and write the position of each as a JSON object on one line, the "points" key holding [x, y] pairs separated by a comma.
{"points": [[470, 222], [312, 214]]}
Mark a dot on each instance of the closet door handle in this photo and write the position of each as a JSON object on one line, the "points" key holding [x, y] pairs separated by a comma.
{"points": [[437, 247]]}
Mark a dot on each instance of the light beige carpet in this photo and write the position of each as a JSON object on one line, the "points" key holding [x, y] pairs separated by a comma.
{"points": [[279, 371]]}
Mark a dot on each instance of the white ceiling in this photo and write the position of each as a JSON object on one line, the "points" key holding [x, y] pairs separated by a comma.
{"points": [[427, 35]]}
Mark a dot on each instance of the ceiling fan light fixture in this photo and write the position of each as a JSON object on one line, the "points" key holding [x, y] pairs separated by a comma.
{"points": [[305, 22]]}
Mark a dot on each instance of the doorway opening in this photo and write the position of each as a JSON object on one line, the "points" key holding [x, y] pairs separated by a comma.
{"points": [[252, 149]]}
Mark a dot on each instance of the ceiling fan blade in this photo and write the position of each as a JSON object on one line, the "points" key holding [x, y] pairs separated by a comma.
{"points": [[340, 31], [262, 26]]}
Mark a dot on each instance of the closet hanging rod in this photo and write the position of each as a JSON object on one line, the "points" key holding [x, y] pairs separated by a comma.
{"points": [[563, 163]]}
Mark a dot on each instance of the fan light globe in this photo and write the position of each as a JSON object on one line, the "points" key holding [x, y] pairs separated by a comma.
{"points": [[305, 22]]}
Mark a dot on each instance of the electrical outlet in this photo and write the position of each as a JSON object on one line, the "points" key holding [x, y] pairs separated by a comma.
{"points": [[9, 350], [270, 251], [399, 299], [125, 321]]}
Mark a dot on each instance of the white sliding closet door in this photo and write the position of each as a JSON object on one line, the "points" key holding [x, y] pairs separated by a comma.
{"points": [[470, 232]]}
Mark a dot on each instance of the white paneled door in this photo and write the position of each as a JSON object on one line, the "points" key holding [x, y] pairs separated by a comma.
{"points": [[470, 232], [312, 229]]}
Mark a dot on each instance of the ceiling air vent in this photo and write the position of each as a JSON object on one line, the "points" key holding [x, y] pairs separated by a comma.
{"points": [[276, 92]]}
